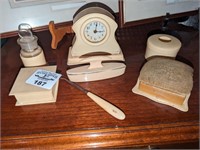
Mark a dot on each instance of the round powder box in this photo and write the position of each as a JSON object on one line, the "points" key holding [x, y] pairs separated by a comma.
{"points": [[162, 45]]}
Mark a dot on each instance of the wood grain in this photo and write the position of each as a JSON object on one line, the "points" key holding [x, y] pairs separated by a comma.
{"points": [[75, 121]]}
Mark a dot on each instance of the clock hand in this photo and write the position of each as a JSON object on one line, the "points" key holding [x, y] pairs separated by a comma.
{"points": [[99, 31], [95, 30], [96, 26]]}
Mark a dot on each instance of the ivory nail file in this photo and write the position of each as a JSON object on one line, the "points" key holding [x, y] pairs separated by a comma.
{"points": [[108, 107]]}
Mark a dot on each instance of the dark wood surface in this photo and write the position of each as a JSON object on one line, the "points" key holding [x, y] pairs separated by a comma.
{"points": [[75, 121]]}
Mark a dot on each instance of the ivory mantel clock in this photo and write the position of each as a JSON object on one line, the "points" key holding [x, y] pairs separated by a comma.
{"points": [[94, 26]]}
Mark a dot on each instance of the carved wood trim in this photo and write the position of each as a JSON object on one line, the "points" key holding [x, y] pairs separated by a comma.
{"points": [[107, 137]]}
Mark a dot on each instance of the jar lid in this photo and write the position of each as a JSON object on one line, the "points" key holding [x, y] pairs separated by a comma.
{"points": [[26, 40]]}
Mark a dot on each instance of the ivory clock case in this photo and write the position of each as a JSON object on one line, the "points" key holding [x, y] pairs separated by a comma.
{"points": [[82, 44], [95, 43]]}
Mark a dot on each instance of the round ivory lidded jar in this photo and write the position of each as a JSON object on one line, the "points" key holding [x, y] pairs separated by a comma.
{"points": [[162, 45]]}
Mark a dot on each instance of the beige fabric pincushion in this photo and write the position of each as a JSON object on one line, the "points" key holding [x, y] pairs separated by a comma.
{"points": [[167, 81]]}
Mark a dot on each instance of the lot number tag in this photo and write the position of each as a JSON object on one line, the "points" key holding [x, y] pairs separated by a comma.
{"points": [[43, 78]]}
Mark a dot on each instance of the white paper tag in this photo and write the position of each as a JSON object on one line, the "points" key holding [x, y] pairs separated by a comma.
{"points": [[43, 78]]}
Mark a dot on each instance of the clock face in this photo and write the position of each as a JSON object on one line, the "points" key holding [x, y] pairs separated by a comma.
{"points": [[95, 31]]}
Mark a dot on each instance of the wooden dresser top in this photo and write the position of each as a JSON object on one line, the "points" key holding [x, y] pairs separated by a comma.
{"points": [[75, 121]]}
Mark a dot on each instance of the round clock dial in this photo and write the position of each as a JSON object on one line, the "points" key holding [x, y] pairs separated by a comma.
{"points": [[95, 31]]}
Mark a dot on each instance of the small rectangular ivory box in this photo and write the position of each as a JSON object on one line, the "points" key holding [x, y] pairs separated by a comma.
{"points": [[27, 94]]}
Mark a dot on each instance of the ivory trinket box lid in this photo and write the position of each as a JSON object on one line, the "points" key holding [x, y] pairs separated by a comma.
{"points": [[27, 94]]}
